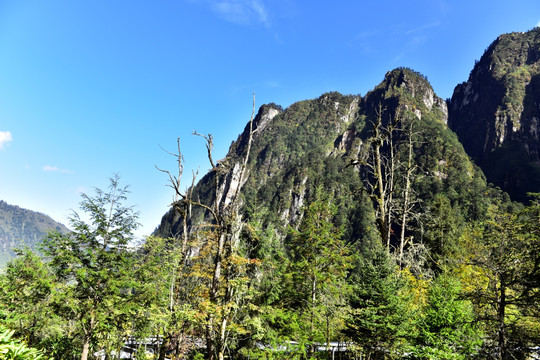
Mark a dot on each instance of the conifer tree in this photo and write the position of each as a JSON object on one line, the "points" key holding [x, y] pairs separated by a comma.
{"points": [[380, 316], [316, 272], [94, 264]]}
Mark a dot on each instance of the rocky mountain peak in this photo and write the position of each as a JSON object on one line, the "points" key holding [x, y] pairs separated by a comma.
{"points": [[325, 141], [406, 90], [496, 112]]}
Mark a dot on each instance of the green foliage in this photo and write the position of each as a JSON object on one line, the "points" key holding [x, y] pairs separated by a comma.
{"points": [[93, 265], [504, 253], [444, 224], [29, 299], [307, 305], [447, 327], [14, 349], [380, 320]]}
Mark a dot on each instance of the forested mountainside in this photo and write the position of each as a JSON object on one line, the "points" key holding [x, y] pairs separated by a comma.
{"points": [[331, 142], [496, 113], [21, 227], [384, 176]]}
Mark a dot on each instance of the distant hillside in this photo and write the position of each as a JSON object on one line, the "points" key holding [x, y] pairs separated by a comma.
{"points": [[21, 227]]}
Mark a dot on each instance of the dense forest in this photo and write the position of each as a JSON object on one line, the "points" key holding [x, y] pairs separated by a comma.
{"points": [[342, 227]]}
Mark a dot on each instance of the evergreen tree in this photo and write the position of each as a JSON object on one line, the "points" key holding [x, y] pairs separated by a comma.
{"points": [[94, 264], [447, 327], [316, 272], [28, 301], [306, 296], [381, 311]]}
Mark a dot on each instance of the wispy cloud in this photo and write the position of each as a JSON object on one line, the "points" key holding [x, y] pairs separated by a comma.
{"points": [[538, 23], [242, 12], [5, 137], [424, 27], [49, 168]]}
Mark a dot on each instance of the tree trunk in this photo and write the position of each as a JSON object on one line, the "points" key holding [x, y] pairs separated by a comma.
{"points": [[406, 196], [501, 325], [85, 349]]}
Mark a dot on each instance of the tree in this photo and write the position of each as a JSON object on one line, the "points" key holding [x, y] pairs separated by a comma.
{"points": [[380, 315], [220, 261], [504, 252], [380, 168], [28, 302], [316, 273], [447, 327], [93, 262], [389, 173], [161, 292]]}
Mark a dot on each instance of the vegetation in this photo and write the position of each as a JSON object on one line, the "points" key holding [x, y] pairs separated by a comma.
{"points": [[340, 222], [14, 349]]}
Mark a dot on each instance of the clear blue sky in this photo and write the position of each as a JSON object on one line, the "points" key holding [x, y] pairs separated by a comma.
{"points": [[93, 88]]}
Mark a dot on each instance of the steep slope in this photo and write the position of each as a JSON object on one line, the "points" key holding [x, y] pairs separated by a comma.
{"points": [[328, 142], [496, 113], [20, 227]]}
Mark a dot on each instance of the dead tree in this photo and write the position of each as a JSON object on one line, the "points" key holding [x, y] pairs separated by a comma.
{"points": [[224, 223], [381, 168]]}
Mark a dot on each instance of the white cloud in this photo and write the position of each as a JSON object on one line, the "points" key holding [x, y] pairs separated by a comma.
{"points": [[50, 168], [5, 137], [242, 12], [538, 23]]}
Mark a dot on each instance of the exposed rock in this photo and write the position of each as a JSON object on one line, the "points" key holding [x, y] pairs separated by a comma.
{"points": [[325, 142], [495, 112]]}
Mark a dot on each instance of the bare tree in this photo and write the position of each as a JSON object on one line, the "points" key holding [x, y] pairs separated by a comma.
{"points": [[223, 225]]}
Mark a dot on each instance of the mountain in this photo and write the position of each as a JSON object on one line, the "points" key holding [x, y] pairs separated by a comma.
{"points": [[20, 227], [496, 113], [330, 143]]}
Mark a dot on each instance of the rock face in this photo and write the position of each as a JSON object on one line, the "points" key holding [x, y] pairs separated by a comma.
{"points": [[20, 227], [324, 143], [496, 113]]}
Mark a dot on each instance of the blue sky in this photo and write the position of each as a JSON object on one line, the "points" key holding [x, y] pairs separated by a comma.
{"points": [[89, 89]]}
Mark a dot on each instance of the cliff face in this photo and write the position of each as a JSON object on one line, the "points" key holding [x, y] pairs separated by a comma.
{"points": [[327, 143], [496, 113]]}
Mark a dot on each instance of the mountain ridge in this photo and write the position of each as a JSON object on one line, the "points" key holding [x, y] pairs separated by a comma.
{"points": [[328, 142], [21, 227]]}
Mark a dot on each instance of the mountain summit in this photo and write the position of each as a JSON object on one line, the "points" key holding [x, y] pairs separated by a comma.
{"points": [[496, 113]]}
